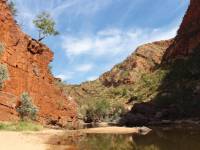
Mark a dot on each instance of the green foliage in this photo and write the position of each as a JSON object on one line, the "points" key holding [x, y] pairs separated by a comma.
{"points": [[27, 110], [181, 85], [45, 25], [147, 87], [153, 80], [50, 68], [119, 92], [125, 74], [12, 7], [4, 74], [97, 110], [1, 48], [20, 126]]}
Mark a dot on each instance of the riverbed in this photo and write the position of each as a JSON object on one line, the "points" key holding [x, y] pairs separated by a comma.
{"points": [[159, 138]]}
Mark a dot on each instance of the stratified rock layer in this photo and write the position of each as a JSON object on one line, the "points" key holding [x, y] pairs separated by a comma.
{"points": [[27, 61], [143, 60]]}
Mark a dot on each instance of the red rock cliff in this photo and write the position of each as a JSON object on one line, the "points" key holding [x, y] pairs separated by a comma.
{"points": [[27, 61], [188, 37], [143, 60]]}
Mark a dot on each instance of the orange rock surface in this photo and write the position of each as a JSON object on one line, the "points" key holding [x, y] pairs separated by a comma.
{"points": [[144, 59], [27, 61]]}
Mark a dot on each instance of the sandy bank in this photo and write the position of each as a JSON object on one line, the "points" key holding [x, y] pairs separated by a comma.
{"points": [[116, 130], [40, 140]]}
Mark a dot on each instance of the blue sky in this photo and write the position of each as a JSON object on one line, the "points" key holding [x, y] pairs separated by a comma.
{"points": [[97, 34]]}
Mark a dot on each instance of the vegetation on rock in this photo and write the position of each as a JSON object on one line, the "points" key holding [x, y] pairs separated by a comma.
{"points": [[12, 8], [46, 25], [96, 102], [1, 48], [96, 110], [27, 110], [181, 87], [4, 74]]}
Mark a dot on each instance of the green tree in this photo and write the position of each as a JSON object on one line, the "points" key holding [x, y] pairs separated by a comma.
{"points": [[12, 8], [1, 48], [27, 110], [4, 75], [46, 25]]}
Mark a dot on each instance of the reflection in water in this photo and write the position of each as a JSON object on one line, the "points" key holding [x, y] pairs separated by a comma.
{"points": [[158, 139], [106, 142], [169, 139]]}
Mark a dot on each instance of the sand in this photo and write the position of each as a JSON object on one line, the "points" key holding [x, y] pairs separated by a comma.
{"points": [[39, 140], [113, 130]]}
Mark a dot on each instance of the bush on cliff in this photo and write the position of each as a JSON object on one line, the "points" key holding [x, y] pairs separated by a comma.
{"points": [[1, 48], [27, 110], [46, 25], [181, 86], [98, 110], [12, 7], [4, 75]]}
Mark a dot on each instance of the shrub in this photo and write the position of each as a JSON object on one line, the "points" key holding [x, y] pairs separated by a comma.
{"points": [[125, 74], [181, 85], [118, 109], [50, 69], [102, 108], [45, 25], [27, 110], [97, 110], [4, 75], [12, 7], [1, 48]]}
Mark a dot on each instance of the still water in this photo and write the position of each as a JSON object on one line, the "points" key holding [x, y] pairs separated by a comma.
{"points": [[157, 139]]}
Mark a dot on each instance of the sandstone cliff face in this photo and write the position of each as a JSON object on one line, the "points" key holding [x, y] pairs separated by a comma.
{"points": [[188, 37], [145, 59], [27, 61]]}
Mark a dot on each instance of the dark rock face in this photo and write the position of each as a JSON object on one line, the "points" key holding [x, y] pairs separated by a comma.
{"points": [[27, 61], [188, 37]]}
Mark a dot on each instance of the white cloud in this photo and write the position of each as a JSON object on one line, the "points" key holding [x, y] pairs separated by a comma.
{"points": [[29, 9], [84, 68], [113, 41], [66, 76], [92, 78], [88, 7], [77, 46]]}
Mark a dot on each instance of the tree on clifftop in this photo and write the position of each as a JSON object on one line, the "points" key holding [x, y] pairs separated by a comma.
{"points": [[46, 25]]}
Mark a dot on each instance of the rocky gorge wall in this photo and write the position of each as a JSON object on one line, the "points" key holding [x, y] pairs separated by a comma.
{"points": [[27, 61], [143, 60], [178, 93], [188, 36]]}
